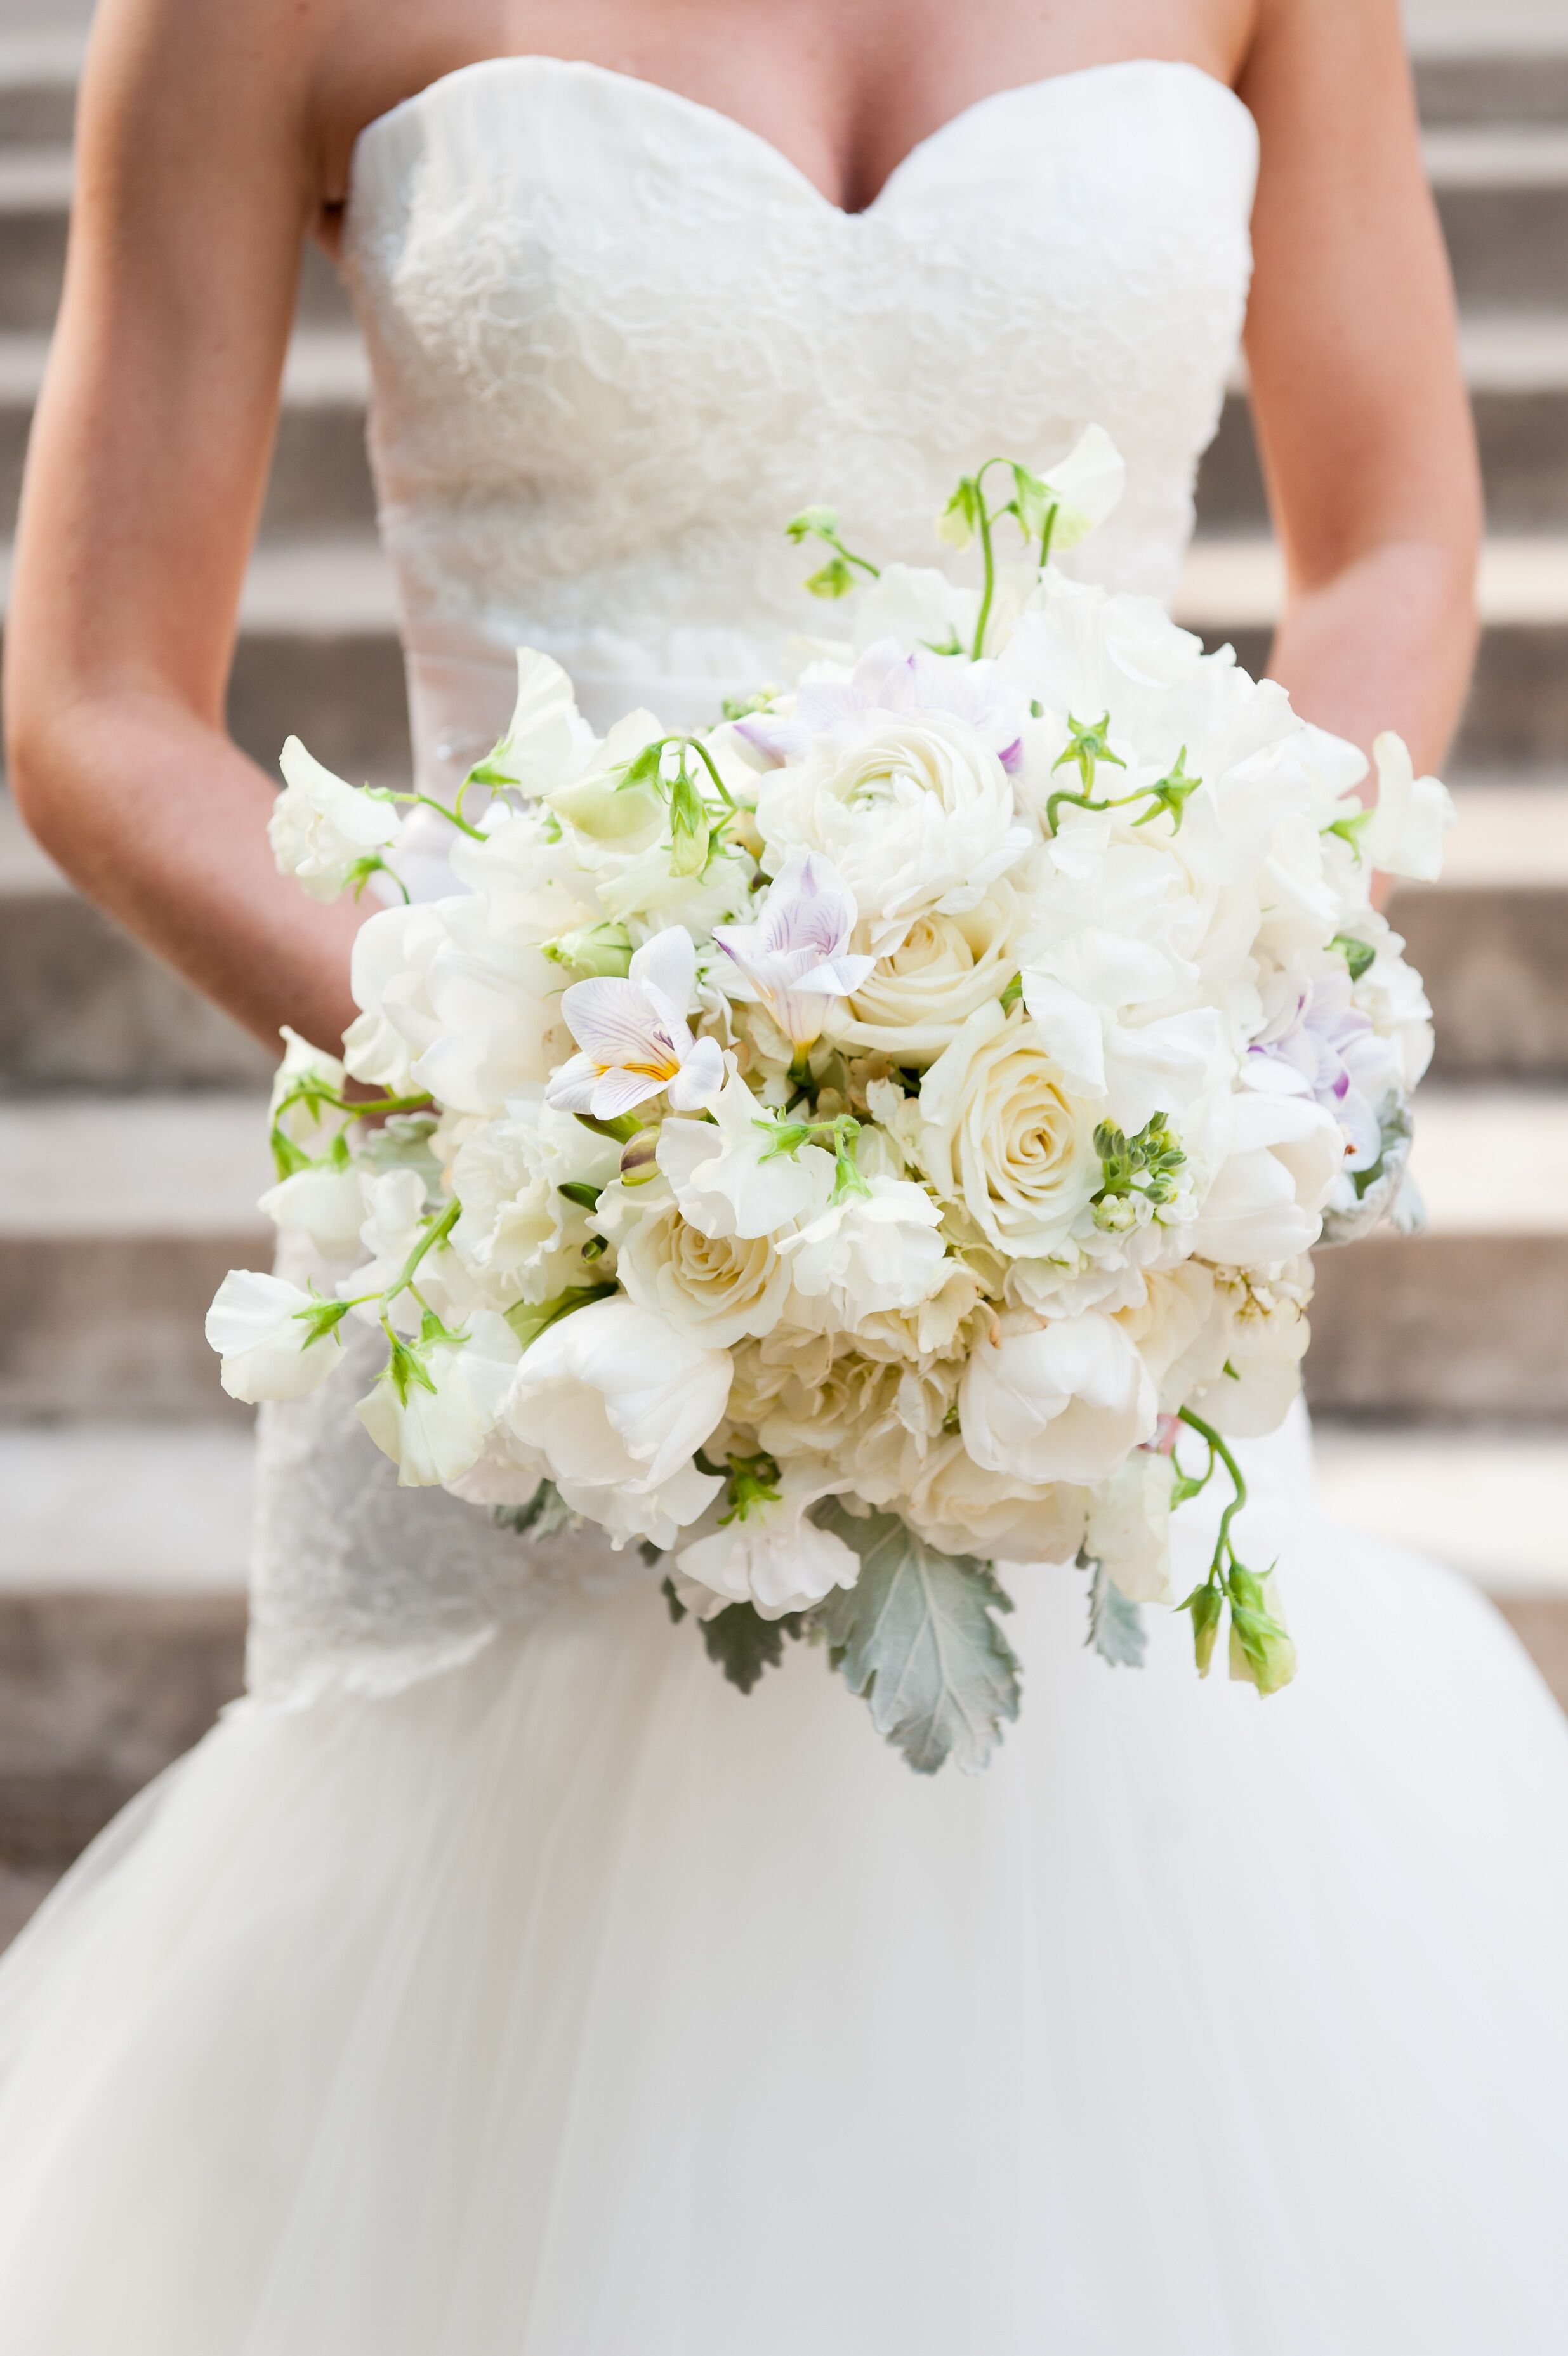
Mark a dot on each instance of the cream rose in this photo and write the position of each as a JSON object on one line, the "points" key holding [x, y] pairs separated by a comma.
{"points": [[717, 1288], [1002, 1134], [921, 991]]}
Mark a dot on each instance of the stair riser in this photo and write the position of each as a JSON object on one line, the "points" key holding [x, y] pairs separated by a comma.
{"points": [[113, 1328], [1443, 1325], [32, 264], [1517, 716], [1523, 440], [1495, 961], [1500, 89]]}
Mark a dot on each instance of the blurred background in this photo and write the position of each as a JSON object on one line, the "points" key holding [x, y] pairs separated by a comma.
{"points": [[131, 1137]]}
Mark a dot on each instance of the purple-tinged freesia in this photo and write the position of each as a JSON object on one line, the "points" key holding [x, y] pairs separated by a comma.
{"points": [[635, 1040], [796, 957]]}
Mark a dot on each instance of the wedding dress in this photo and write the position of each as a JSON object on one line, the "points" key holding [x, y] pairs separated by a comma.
{"points": [[495, 1980]]}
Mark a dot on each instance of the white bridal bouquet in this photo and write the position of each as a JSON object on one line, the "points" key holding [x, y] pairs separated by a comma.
{"points": [[852, 1144]]}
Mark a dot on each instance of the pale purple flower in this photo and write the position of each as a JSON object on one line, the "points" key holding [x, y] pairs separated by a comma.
{"points": [[796, 957], [1317, 1044], [635, 1038], [888, 680]]}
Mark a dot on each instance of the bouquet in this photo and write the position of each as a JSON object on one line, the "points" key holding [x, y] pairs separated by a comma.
{"points": [[874, 1137]]}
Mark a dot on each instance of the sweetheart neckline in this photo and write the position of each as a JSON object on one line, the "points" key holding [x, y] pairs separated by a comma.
{"points": [[757, 140]]}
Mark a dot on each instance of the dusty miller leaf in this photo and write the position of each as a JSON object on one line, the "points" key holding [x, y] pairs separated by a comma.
{"points": [[1116, 1628], [739, 1639], [545, 1514], [916, 1635]]}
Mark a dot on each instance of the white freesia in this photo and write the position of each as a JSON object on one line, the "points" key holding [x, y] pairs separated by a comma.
{"points": [[1266, 1200], [324, 829], [1129, 1526], [1405, 834], [796, 959], [614, 1397], [635, 1039], [274, 1340], [433, 1405], [731, 1175], [1062, 1401], [773, 1555], [869, 1252]]}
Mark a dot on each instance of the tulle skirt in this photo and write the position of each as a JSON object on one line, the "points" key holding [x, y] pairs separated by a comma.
{"points": [[569, 2004]]}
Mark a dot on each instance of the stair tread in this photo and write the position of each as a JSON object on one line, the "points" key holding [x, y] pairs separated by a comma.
{"points": [[143, 1508], [1238, 582], [1493, 1504]]}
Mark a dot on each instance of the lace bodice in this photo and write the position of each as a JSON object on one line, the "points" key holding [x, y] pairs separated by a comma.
{"points": [[616, 340]]}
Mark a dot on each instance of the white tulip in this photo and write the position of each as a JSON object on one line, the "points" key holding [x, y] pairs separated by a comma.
{"points": [[614, 1397], [323, 829], [1266, 1200], [276, 1341], [1405, 834], [628, 1512], [389, 975], [728, 1174], [436, 1404], [635, 1039], [1129, 1527], [1063, 1401], [772, 1556], [869, 1252]]}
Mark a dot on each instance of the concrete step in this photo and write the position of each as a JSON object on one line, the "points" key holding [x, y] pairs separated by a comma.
{"points": [[125, 1507], [1491, 1502], [119, 1217]]}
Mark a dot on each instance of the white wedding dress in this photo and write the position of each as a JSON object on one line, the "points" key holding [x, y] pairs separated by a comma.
{"points": [[495, 1980]]}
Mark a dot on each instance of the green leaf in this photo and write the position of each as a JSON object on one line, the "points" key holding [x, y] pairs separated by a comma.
{"points": [[739, 1639], [1116, 1628], [916, 1636], [530, 1319], [577, 1190], [1358, 955], [833, 579], [545, 1514]]}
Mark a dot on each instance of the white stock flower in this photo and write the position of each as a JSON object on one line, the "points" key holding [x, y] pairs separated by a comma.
{"points": [[869, 1252], [1244, 1369], [271, 1337], [794, 959], [635, 1039], [920, 992], [729, 1177], [615, 1397], [518, 1232], [321, 827], [1265, 1204], [1129, 1526], [718, 1289], [772, 1556], [1062, 1401], [1405, 834], [915, 813], [1003, 1135], [433, 1405]]}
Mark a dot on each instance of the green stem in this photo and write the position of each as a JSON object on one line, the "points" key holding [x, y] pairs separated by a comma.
{"points": [[454, 818], [435, 1234], [1223, 1549]]}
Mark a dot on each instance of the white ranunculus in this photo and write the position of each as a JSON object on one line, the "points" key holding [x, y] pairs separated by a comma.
{"points": [[728, 1174], [1405, 834], [772, 1555], [1063, 1401], [869, 1252], [1266, 1200], [614, 1397], [322, 827], [518, 1232], [271, 1338], [921, 991], [435, 1404], [915, 812], [328, 1204], [961, 1507], [1002, 1134], [718, 1289], [1129, 1529]]}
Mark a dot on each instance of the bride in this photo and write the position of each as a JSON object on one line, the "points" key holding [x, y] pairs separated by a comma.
{"points": [[493, 1981]]}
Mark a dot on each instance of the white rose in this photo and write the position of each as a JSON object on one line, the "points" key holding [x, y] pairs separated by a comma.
{"points": [[960, 1507], [614, 1397], [868, 1253], [433, 1405], [1002, 1134], [273, 1339], [915, 813], [1129, 1529], [322, 829], [924, 988], [1265, 1203], [718, 1289], [772, 1555], [1063, 1401]]}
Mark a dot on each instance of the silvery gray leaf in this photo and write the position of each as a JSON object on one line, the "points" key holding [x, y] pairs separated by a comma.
{"points": [[917, 1635], [1378, 1190], [1116, 1628]]}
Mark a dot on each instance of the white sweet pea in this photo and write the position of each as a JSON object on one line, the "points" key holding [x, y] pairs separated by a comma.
{"points": [[325, 1204], [276, 1341], [1063, 1401], [729, 1177], [796, 957], [547, 740], [869, 1252], [389, 972], [1266, 1201], [635, 1039], [435, 1403], [1084, 487], [322, 827], [770, 1554], [1129, 1531], [1405, 834], [310, 1125], [614, 1397]]}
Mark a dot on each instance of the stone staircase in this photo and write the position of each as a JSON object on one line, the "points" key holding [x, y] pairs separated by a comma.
{"points": [[131, 1149]]}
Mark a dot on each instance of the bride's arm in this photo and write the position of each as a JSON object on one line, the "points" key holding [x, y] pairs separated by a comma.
{"points": [[1362, 421], [144, 480]]}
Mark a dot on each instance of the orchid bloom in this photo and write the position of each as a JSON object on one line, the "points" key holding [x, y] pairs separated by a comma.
{"points": [[634, 1036], [794, 959]]}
